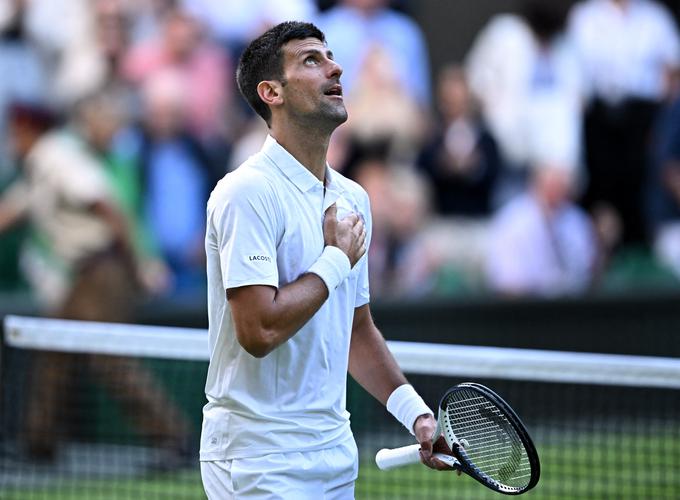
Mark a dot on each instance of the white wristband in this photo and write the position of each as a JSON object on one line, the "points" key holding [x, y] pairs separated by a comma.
{"points": [[332, 267], [406, 405]]}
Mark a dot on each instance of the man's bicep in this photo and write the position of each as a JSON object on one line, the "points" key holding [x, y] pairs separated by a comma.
{"points": [[249, 301], [362, 319], [248, 305]]}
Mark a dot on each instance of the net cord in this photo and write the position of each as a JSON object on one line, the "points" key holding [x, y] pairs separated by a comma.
{"points": [[414, 357]]}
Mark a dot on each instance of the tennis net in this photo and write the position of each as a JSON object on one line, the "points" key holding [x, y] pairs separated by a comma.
{"points": [[109, 411]]}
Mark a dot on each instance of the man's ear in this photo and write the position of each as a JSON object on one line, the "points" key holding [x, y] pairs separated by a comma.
{"points": [[270, 92]]}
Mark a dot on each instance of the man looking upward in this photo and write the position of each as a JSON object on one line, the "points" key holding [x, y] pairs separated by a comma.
{"points": [[288, 297]]}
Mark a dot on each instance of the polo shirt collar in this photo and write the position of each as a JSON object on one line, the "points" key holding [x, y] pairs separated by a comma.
{"points": [[297, 173]]}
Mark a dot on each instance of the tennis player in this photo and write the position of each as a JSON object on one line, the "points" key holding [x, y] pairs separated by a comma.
{"points": [[288, 295]]}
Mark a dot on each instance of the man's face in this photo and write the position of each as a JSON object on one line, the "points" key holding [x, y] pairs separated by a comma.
{"points": [[554, 184], [312, 92], [21, 137]]}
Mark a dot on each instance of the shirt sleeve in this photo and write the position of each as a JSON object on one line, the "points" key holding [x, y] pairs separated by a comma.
{"points": [[245, 220]]}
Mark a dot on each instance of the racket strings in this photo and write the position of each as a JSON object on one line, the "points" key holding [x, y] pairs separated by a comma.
{"points": [[492, 444]]}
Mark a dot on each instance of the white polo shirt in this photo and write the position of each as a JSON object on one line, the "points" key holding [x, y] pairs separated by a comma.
{"points": [[264, 227]]}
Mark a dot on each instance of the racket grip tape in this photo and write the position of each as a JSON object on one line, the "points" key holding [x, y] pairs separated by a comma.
{"points": [[389, 458]]}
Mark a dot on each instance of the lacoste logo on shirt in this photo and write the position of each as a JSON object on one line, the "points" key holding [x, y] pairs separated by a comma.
{"points": [[259, 257]]}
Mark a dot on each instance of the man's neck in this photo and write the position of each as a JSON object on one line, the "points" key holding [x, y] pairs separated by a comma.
{"points": [[309, 147]]}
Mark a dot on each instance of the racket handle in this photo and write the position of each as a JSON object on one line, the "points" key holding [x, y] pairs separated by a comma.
{"points": [[389, 458]]}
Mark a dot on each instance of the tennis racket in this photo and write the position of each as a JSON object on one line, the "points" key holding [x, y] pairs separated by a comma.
{"points": [[486, 437]]}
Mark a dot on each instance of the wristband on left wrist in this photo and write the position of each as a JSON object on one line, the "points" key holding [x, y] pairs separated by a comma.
{"points": [[407, 406]]}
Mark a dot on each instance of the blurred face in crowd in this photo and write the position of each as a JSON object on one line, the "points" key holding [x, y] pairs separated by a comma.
{"points": [[553, 184], [453, 94], [164, 105], [112, 27], [100, 119], [26, 125], [182, 34], [409, 203], [310, 92], [22, 137], [367, 5], [377, 70]]}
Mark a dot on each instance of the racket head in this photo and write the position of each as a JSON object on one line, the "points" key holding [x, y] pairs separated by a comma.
{"points": [[498, 451]]}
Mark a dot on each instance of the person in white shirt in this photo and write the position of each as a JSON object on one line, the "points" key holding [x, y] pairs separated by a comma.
{"points": [[628, 49], [527, 78], [288, 296], [541, 243]]}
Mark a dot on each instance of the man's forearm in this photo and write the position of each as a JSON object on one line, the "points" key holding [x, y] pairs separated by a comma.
{"points": [[265, 317], [371, 363]]}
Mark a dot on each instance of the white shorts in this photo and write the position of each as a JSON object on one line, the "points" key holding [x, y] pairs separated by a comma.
{"points": [[312, 475]]}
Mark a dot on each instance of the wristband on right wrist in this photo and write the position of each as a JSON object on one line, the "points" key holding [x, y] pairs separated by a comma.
{"points": [[332, 267]]}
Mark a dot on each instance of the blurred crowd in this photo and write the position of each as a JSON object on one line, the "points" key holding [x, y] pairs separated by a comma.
{"points": [[522, 169]]}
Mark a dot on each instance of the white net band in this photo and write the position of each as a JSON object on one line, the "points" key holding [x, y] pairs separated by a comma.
{"points": [[413, 357]]}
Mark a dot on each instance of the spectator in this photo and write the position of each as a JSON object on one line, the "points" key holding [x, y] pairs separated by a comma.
{"points": [[663, 194], [176, 180], [250, 141], [527, 79], [203, 67], [146, 17], [381, 109], [29, 122], [461, 160], [24, 76], [11, 240], [627, 48], [399, 119], [81, 52], [14, 193], [541, 243], [354, 28], [69, 45], [399, 202], [235, 23], [83, 266], [113, 26]]}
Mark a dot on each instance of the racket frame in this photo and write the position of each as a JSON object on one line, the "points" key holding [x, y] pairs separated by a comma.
{"points": [[466, 464], [459, 459]]}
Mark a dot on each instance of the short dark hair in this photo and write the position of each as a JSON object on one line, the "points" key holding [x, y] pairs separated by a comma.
{"points": [[35, 115], [545, 19], [263, 60]]}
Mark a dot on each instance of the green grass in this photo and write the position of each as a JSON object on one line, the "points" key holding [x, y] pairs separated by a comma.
{"points": [[586, 467], [589, 467], [184, 485]]}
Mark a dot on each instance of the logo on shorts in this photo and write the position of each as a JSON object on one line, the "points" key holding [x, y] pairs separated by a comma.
{"points": [[263, 258]]}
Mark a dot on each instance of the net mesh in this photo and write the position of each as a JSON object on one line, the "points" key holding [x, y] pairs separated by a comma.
{"points": [[93, 411]]}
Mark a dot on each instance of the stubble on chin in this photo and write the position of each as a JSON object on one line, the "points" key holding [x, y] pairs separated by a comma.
{"points": [[337, 114], [328, 117]]}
